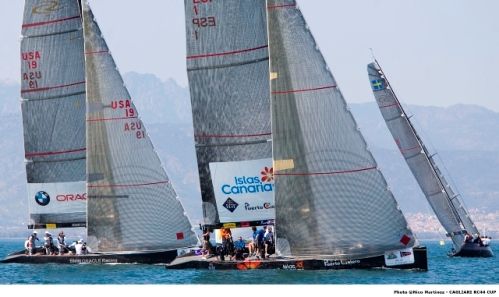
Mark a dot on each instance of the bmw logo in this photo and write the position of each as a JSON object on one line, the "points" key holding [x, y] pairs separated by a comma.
{"points": [[42, 198]]}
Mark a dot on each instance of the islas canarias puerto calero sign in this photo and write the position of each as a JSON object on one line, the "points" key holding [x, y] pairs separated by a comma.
{"points": [[244, 190]]}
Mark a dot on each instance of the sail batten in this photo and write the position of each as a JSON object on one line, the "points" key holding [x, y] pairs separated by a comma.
{"points": [[132, 205], [232, 52], [444, 202]]}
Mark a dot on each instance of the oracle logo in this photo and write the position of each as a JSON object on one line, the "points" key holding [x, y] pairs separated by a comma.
{"points": [[71, 197]]}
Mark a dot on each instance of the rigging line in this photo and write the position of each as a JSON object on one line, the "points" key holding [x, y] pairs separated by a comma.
{"points": [[372, 54], [226, 53], [51, 88], [29, 25], [228, 65]]}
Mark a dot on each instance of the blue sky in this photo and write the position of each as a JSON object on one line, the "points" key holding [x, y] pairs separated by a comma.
{"points": [[434, 52]]}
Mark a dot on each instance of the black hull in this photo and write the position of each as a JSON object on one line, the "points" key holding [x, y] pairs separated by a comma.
{"points": [[161, 257], [420, 263], [474, 250]]}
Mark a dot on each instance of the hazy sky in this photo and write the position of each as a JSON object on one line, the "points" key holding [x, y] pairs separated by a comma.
{"points": [[435, 52]]}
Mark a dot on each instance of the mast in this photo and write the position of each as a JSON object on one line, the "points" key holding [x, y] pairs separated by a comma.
{"points": [[451, 213]]}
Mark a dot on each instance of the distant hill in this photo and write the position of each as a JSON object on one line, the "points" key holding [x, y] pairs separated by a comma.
{"points": [[465, 135], [455, 128]]}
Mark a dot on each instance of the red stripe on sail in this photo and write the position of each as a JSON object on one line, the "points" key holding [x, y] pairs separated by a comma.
{"points": [[128, 185], [226, 53], [326, 173], [303, 90], [230, 135], [97, 52], [41, 154], [281, 6], [409, 149], [50, 22], [50, 88], [109, 119]]}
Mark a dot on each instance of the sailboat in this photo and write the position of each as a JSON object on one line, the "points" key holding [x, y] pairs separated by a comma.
{"points": [[333, 208], [132, 212], [446, 203]]}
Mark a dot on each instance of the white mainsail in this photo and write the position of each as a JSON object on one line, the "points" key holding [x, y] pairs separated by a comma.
{"points": [[331, 199], [132, 205], [53, 109], [227, 66], [446, 204]]}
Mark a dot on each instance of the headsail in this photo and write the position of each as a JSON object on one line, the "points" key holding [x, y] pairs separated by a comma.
{"points": [[331, 199], [444, 201], [227, 64], [53, 108], [131, 202]]}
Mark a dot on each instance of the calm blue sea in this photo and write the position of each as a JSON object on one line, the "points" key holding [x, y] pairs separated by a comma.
{"points": [[442, 270]]}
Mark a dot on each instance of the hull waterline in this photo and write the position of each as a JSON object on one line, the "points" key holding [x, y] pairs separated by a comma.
{"points": [[160, 257], [196, 262], [474, 250]]}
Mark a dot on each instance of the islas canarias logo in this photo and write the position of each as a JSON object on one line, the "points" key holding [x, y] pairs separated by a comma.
{"points": [[267, 174], [251, 184]]}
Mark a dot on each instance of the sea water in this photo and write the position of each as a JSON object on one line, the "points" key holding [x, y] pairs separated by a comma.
{"points": [[442, 270]]}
